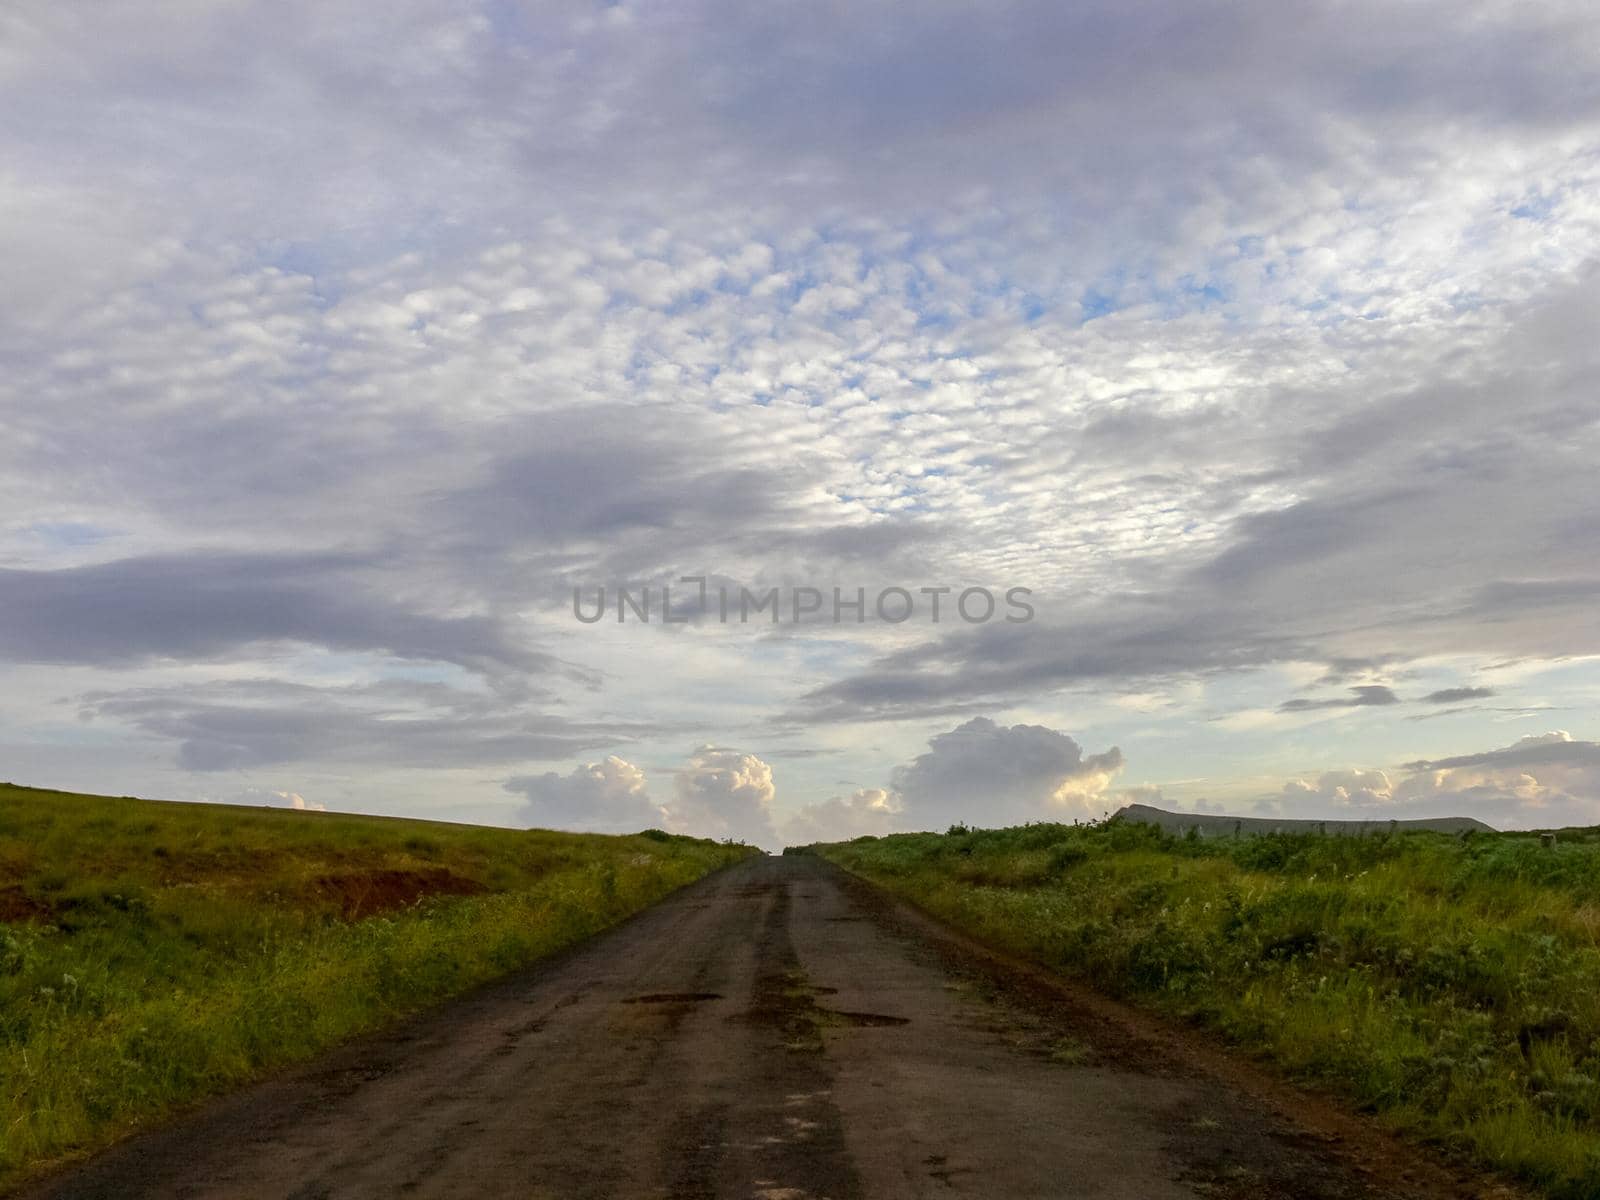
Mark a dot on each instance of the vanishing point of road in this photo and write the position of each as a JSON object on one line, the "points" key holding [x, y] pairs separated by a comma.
{"points": [[777, 1031]]}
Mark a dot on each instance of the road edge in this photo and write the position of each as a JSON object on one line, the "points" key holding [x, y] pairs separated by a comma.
{"points": [[300, 1079], [1356, 1140]]}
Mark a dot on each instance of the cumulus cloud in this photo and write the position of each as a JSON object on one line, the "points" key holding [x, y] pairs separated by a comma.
{"points": [[1544, 779], [1339, 789], [1153, 797], [980, 773], [723, 793], [270, 798], [873, 811], [1541, 780], [610, 796], [991, 775], [719, 793]]}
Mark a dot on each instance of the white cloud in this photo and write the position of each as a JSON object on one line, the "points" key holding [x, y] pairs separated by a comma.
{"points": [[1541, 780], [989, 775], [724, 793], [267, 797], [1271, 344], [609, 796], [1340, 789], [720, 793], [874, 811]]}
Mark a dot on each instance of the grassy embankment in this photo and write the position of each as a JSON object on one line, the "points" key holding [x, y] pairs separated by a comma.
{"points": [[1450, 985], [154, 953]]}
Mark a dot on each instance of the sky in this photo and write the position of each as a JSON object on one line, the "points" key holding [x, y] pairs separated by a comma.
{"points": [[1254, 342]]}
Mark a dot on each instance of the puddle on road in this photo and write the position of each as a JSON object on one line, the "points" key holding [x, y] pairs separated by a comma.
{"points": [[673, 998], [789, 1001], [862, 1020]]}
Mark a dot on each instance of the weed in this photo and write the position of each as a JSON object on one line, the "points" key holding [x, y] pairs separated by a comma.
{"points": [[152, 953], [1451, 985]]}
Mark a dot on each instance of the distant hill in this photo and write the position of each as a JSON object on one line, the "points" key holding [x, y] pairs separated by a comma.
{"points": [[1209, 825]]}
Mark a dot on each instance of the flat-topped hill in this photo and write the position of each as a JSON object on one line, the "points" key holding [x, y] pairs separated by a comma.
{"points": [[1214, 825]]}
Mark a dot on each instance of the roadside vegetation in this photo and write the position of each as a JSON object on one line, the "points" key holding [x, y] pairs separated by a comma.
{"points": [[1449, 984], [155, 953]]}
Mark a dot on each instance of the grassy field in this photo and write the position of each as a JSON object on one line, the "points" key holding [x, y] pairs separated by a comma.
{"points": [[154, 953], [1451, 985]]}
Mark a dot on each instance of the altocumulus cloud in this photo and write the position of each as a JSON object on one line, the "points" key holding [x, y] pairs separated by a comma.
{"points": [[1276, 338]]}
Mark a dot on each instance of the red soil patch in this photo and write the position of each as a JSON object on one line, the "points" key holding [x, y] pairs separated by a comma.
{"points": [[365, 893], [17, 905]]}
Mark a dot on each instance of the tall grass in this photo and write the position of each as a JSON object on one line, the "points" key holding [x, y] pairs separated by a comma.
{"points": [[157, 953], [1451, 985]]}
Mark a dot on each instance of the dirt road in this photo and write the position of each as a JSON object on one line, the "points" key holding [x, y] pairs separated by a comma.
{"points": [[777, 1031]]}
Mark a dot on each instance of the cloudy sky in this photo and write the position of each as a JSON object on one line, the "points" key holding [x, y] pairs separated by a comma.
{"points": [[1256, 340]]}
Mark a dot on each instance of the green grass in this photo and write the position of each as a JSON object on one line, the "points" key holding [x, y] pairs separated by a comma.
{"points": [[155, 953], [1450, 985]]}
